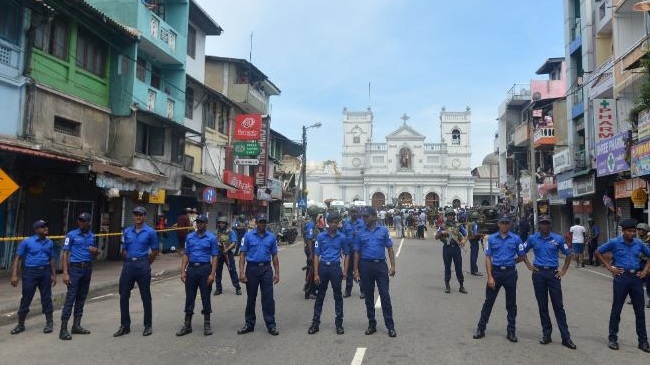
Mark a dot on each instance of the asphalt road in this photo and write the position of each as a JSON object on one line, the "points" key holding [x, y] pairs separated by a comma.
{"points": [[433, 327]]}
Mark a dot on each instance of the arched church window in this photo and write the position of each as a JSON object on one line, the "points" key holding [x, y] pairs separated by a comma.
{"points": [[455, 137], [405, 158]]}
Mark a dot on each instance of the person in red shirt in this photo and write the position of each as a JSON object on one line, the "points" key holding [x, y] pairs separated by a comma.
{"points": [[182, 221]]}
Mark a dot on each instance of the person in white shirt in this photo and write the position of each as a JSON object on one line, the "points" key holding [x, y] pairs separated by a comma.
{"points": [[578, 241]]}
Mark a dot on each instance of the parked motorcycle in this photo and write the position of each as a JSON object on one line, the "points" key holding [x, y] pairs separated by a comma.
{"points": [[288, 234]]}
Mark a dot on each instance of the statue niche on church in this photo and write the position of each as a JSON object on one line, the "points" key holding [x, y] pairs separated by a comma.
{"points": [[405, 158]]}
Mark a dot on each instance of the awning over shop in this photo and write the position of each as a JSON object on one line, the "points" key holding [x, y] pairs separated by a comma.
{"points": [[125, 172], [124, 178], [208, 180], [37, 153]]}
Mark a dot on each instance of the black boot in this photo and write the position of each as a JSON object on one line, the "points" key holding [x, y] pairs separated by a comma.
{"points": [[49, 323], [207, 327], [447, 288], [187, 327], [20, 327], [76, 327], [63, 333]]}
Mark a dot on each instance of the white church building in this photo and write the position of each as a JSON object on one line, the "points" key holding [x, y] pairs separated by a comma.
{"points": [[404, 170]]}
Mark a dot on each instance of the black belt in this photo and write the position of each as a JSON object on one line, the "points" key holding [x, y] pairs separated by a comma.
{"points": [[81, 265], [198, 264], [330, 263], [265, 263], [137, 258], [546, 267], [503, 268], [373, 260], [629, 271], [36, 267]]}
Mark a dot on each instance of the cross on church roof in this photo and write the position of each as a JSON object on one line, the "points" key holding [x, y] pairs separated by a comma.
{"points": [[404, 118]]}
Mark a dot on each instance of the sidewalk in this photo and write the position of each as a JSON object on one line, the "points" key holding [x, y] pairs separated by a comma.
{"points": [[105, 278]]}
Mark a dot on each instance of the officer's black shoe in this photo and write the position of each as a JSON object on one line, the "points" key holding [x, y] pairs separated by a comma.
{"points": [[273, 331], [217, 292], [648, 305], [339, 330], [18, 329], [447, 289], [645, 347], [187, 326], [462, 290], [238, 291], [371, 330], [77, 329], [613, 344], [122, 331], [245, 329], [477, 274], [312, 329], [207, 327], [63, 333], [392, 333], [147, 331], [347, 294], [570, 345], [310, 296], [511, 336], [545, 340], [479, 334], [49, 323], [362, 296]]}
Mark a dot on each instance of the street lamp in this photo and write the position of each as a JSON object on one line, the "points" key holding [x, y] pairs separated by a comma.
{"points": [[304, 159]]}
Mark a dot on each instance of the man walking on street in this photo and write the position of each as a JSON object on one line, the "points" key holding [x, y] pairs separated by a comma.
{"points": [[399, 228], [578, 233], [198, 265], [227, 241], [474, 240], [39, 272], [259, 248], [183, 222], [351, 229], [452, 235], [139, 250], [79, 250]]}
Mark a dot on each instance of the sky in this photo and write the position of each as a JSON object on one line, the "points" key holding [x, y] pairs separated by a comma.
{"points": [[418, 56]]}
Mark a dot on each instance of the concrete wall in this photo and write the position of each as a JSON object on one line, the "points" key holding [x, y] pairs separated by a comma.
{"points": [[122, 139], [216, 75], [195, 67]]}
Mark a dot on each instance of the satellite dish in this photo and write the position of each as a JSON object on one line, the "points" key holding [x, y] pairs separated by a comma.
{"points": [[537, 95]]}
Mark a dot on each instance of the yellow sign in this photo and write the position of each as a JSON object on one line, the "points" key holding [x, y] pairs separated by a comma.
{"points": [[7, 186], [639, 198], [157, 197]]}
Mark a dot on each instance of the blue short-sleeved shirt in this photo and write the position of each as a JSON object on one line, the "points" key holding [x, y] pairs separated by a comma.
{"points": [[36, 252], [310, 230], [545, 248], [351, 229], [329, 247], [503, 250], [259, 248], [372, 245], [78, 243], [137, 244], [626, 255], [201, 248]]}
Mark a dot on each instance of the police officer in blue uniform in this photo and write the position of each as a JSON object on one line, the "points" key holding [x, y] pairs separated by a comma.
{"points": [[140, 247], [370, 266], [452, 235], [79, 250], [351, 228], [258, 250], [311, 231], [328, 248], [546, 277], [227, 239], [628, 279], [39, 272], [198, 266], [500, 260]]}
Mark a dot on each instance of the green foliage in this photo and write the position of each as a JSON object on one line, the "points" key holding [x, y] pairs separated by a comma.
{"points": [[643, 102]]}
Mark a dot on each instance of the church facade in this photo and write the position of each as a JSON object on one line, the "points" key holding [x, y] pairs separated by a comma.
{"points": [[404, 170]]}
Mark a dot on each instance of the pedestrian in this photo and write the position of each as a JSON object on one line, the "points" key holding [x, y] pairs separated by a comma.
{"points": [[311, 231], [592, 241], [183, 224], [351, 229], [36, 253], [475, 238], [240, 227], [422, 224], [79, 251], [328, 248], [642, 230], [139, 250], [227, 239], [453, 235], [524, 229], [399, 229], [628, 280], [198, 266], [410, 223], [259, 248], [547, 277], [500, 260], [192, 215], [370, 267], [578, 233]]}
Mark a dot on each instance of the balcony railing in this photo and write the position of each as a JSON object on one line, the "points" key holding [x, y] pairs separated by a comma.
{"points": [[544, 137], [248, 98], [159, 102], [518, 92], [370, 147], [434, 146], [161, 35]]}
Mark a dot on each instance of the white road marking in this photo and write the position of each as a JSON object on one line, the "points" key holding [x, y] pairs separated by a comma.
{"points": [[378, 302], [358, 356], [102, 296], [596, 272]]}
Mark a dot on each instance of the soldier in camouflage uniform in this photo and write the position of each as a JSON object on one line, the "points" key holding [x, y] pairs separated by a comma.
{"points": [[453, 235], [227, 239]]}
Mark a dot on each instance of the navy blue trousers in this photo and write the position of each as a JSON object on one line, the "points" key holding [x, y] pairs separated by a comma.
{"points": [[473, 256], [135, 272], [329, 274], [349, 281], [508, 280], [260, 276], [625, 284], [452, 253], [310, 286], [77, 291], [547, 285], [32, 279], [371, 273], [232, 269], [197, 279]]}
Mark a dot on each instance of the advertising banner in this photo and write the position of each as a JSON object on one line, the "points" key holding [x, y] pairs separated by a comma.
{"points": [[640, 159], [247, 127], [244, 184], [610, 154]]}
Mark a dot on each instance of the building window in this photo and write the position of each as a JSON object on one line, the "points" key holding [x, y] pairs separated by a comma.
{"points": [[10, 22], [191, 41], [67, 126], [405, 158], [188, 163], [455, 137], [141, 69], [52, 37], [210, 113], [189, 102], [178, 146], [155, 77], [91, 53], [223, 120], [150, 140], [356, 139]]}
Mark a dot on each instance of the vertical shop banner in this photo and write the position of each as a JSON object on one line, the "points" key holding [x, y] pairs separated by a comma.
{"points": [[260, 175], [610, 154], [247, 127], [640, 164], [604, 114], [244, 184], [643, 130]]}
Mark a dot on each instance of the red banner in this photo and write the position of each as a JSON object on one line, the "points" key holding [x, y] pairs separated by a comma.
{"points": [[244, 184], [247, 127]]}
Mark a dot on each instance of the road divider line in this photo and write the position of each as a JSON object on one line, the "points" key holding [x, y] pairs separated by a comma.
{"points": [[378, 302], [399, 249], [102, 296], [597, 273], [358, 356]]}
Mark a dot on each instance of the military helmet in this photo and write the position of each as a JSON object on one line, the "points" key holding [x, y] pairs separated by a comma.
{"points": [[449, 211], [222, 219], [474, 215]]}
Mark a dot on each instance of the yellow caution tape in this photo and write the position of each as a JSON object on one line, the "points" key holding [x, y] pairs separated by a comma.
{"points": [[10, 239]]}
